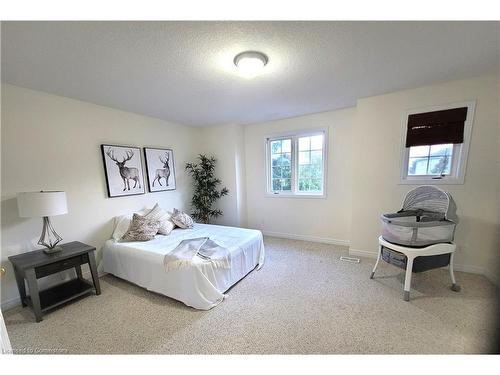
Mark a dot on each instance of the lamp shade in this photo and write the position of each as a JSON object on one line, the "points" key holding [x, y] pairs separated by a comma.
{"points": [[42, 203]]}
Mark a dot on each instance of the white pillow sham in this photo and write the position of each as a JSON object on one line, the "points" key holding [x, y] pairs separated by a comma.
{"points": [[164, 217]]}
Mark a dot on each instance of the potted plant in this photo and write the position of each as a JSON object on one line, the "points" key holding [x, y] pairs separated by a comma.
{"points": [[206, 189]]}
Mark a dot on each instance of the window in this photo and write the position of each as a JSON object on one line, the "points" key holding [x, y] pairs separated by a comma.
{"points": [[310, 167], [281, 162], [296, 164], [433, 160], [436, 144]]}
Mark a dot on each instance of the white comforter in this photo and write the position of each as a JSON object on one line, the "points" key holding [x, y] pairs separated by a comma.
{"points": [[201, 286]]}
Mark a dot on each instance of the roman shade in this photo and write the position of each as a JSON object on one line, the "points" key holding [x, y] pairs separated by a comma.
{"points": [[438, 127]]}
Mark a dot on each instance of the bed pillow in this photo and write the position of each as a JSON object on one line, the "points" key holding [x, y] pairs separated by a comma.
{"points": [[122, 223], [182, 219], [141, 229], [157, 213]]}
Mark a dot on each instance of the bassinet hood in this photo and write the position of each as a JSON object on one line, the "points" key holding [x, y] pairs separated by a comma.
{"points": [[430, 198]]}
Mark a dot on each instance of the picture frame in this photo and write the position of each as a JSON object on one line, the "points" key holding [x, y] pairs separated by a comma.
{"points": [[160, 169], [123, 170]]}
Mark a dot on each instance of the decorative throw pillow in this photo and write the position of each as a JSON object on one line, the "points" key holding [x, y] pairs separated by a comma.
{"points": [[141, 229], [122, 223], [182, 219], [166, 225]]}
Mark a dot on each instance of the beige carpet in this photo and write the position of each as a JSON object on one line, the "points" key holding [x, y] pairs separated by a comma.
{"points": [[304, 300]]}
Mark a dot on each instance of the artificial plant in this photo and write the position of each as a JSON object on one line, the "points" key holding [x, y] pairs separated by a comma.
{"points": [[206, 189]]}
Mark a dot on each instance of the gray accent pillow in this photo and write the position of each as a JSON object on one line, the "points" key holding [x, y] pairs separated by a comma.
{"points": [[182, 219], [141, 229]]}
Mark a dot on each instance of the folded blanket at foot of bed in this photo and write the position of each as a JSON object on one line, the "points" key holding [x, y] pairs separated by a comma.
{"points": [[182, 256]]}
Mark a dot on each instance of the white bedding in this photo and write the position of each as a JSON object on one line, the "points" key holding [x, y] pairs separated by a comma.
{"points": [[200, 286]]}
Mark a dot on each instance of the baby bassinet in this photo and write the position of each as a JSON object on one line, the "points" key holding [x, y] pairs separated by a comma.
{"points": [[419, 237], [423, 220]]}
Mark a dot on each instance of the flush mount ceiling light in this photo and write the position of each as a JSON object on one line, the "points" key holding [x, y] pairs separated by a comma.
{"points": [[250, 63]]}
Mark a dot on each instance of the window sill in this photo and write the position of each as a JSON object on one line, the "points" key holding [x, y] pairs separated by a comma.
{"points": [[431, 181], [299, 196]]}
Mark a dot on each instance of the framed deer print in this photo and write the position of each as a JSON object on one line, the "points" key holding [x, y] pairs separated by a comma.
{"points": [[160, 169], [123, 170]]}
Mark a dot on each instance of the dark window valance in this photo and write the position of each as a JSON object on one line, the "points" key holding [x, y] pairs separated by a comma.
{"points": [[438, 127]]}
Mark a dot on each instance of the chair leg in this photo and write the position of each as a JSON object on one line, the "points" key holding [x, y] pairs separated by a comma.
{"points": [[409, 268], [454, 286], [376, 263]]}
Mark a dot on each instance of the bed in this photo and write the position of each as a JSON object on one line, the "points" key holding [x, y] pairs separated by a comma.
{"points": [[200, 285]]}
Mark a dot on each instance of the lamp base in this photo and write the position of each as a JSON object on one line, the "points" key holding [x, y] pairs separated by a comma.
{"points": [[49, 237], [55, 249]]}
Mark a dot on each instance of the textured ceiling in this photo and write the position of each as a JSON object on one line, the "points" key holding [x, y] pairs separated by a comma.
{"points": [[183, 71]]}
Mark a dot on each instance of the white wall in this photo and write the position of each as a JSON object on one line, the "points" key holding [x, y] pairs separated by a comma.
{"points": [[326, 219], [495, 256], [226, 143], [364, 174], [376, 148], [53, 143]]}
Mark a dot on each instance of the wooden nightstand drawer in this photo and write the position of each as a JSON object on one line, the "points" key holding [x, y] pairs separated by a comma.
{"points": [[60, 266]]}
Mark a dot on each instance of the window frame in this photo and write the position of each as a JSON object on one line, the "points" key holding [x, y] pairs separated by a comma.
{"points": [[460, 151], [294, 136]]}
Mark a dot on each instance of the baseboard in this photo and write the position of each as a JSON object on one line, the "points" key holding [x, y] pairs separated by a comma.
{"points": [[301, 237], [494, 279], [478, 271], [458, 267], [16, 301], [11, 303], [469, 269], [362, 253], [87, 275]]}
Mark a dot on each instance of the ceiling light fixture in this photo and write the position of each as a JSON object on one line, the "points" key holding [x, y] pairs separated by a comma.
{"points": [[250, 63]]}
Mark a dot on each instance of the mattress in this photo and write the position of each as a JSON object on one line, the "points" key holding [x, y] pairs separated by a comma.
{"points": [[200, 285]]}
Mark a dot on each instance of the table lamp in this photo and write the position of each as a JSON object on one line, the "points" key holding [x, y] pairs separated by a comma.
{"points": [[44, 204]]}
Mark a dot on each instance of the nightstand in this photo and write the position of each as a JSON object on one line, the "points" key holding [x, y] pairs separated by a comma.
{"points": [[36, 264]]}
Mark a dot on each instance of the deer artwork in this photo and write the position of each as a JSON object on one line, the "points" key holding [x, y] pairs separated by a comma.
{"points": [[164, 172], [127, 173]]}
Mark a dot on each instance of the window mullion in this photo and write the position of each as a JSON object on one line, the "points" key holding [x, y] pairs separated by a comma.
{"points": [[428, 161], [271, 184], [294, 164], [269, 167], [455, 155]]}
